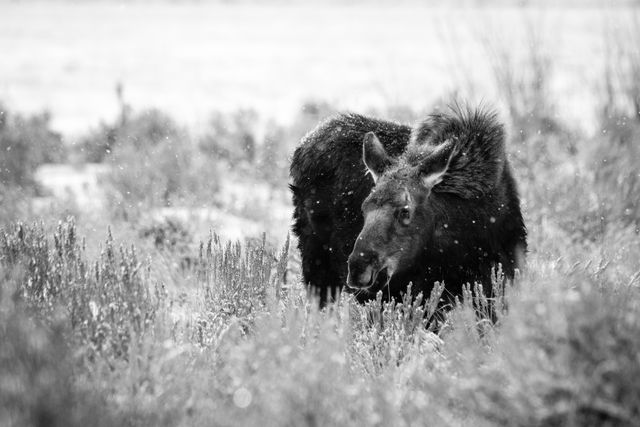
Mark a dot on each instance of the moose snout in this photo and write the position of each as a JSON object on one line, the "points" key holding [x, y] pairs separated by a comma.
{"points": [[361, 269]]}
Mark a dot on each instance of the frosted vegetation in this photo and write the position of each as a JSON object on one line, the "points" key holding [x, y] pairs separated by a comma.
{"points": [[131, 312]]}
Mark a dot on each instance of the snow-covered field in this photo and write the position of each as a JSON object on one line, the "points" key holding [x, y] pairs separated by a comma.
{"points": [[239, 209], [195, 57], [192, 58], [117, 317]]}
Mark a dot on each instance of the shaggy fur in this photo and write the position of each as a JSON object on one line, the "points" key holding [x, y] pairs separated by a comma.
{"points": [[461, 227], [329, 183], [475, 140]]}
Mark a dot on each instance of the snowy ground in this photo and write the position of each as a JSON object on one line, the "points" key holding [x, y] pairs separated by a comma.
{"points": [[192, 58], [240, 209]]}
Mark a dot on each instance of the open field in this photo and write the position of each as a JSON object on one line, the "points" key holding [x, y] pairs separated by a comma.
{"points": [[192, 58], [146, 275]]}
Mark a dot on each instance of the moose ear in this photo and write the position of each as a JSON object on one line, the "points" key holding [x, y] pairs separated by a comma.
{"points": [[374, 156], [436, 165]]}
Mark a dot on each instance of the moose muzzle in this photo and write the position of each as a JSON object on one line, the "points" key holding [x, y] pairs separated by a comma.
{"points": [[363, 269]]}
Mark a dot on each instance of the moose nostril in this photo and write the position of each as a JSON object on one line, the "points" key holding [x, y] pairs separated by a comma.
{"points": [[359, 275], [365, 276], [361, 266]]}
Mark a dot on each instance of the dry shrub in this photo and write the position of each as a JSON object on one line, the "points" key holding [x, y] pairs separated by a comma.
{"points": [[108, 301]]}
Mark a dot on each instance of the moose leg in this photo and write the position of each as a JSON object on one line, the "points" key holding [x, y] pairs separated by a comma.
{"points": [[318, 270], [319, 267]]}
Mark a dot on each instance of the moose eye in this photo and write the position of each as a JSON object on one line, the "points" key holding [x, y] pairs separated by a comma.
{"points": [[404, 215]]}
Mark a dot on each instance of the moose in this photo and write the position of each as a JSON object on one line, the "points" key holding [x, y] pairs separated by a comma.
{"points": [[378, 204]]}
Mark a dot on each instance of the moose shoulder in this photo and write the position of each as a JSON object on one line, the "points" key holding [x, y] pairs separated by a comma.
{"points": [[379, 204]]}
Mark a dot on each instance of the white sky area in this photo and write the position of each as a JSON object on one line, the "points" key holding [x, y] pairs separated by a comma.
{"points": [[192, 58]]}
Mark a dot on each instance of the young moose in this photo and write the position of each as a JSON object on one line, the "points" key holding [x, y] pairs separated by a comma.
{"points": [[439, 204]]}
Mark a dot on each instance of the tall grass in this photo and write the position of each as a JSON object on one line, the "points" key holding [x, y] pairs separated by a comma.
{"points": [[38, 384], [252, 347], [523, 80], [621, 88], [107, 301], [232, 338]]}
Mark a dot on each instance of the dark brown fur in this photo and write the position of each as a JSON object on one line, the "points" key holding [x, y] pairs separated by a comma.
{"points": [[455, 228]]}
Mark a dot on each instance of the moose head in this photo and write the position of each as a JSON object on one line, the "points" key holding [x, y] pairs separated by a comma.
{"points": [[429, 200]]}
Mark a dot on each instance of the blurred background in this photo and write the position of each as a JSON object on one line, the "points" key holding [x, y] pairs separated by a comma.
{"points": [[143, 112], [141, 140]]}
